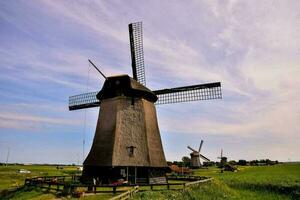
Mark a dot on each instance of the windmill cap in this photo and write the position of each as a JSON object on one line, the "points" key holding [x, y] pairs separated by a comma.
{"points": [[123, 85]]}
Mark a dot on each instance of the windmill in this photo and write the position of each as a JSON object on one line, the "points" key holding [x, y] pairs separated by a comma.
{"points": [[127, 143], [196, 155], [223, 159]]}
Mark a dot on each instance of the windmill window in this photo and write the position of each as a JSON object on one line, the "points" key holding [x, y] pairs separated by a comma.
{"points": [[130, 151]]}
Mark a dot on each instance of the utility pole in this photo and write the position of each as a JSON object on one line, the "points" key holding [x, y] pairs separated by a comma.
{"points": [[78, 159], [7, 156]]}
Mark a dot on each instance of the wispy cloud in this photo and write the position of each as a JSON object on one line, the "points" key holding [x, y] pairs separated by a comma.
{"points": [[253, 50], [32, 122]]}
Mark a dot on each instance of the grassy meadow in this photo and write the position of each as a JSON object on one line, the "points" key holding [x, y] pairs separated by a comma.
{"points": [[11, 178], [280, 181]]}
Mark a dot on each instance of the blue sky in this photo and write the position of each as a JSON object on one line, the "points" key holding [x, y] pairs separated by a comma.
{"points": [[252, 47]]}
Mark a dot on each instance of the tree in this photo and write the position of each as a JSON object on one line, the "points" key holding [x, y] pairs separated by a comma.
{"points": [[232, 162], [186, 161], [208, 164], [169, 163], [253, 162], [242, 162], [179, 163]]}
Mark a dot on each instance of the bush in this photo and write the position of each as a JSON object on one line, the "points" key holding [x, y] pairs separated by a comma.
{"points": [[232, 162], [208, 164], [242, 162]]}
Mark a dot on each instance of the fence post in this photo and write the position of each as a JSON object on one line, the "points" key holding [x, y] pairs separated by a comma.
{"points": [[66, 189], [72, 189], [90, 188]]}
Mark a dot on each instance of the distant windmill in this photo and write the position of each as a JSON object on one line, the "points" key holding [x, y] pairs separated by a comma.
{"points": [[127, 143], [196, 155], [223, 159]]}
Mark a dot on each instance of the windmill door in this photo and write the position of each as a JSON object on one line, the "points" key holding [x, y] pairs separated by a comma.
{"points": [[132, 175]]}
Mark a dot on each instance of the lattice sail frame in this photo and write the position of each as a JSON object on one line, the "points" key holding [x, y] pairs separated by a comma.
{"points": [[81, 101], [189, 93], [137, 52], [165, 96]]}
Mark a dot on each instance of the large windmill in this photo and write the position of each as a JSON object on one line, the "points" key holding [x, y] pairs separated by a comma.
{"points": [[127, 141], [196, 155]]}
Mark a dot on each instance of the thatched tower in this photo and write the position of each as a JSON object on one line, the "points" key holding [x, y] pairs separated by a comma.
{"points": [[195, 160], [127, 141]]}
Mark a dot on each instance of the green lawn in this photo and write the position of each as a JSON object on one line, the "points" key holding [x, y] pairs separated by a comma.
{"points": [[264, 182], [10, 176], [280, 181]]}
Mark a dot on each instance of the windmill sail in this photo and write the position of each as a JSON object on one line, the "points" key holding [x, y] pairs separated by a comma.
{"points": [[191, 149], [189, 93], [221, 154], [204, 158], [165, 96], [81, 101], [137, 53], [201, 143]]}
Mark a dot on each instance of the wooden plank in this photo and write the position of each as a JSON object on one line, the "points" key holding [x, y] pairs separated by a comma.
{"points": [[197, 182], [126, 195]]}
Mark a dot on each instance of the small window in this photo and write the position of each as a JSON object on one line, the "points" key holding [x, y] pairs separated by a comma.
{"points": [[130, 150]]}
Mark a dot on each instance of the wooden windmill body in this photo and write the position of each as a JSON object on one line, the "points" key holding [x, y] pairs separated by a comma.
{"points": [[127, 143], [195, 160], [127, 137]]}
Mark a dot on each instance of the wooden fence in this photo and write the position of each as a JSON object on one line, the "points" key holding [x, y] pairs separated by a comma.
{"points": [[196, 183], [131, 192], [126, 195], [70, 185], [186, 177]]}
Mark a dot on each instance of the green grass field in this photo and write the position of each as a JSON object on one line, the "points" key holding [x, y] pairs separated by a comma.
{"points": [[264, 182], [10, 177]]}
